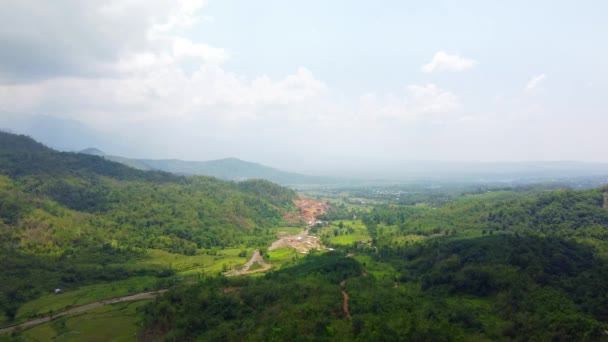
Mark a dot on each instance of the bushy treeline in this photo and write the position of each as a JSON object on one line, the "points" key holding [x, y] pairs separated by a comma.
{"points": [[564, 213]]}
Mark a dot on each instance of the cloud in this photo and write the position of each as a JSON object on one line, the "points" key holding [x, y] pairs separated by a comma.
{"points": [[130, 67], [184, 48], [430, 98], [415, 103], [46, 39], [445, 62], [535, 83]]}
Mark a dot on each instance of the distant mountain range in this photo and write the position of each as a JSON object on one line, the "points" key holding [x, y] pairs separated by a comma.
{"points": [[71, 135], [228, 168]]}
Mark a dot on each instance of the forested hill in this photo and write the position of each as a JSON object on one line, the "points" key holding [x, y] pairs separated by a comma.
{"points": [[92, 184], [22, 156], [496, 266], [227, 168], [59, 209]]}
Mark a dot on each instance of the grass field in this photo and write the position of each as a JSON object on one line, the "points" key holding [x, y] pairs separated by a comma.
{"points": [[289, 231], [377, 269], [84, 295], [154, 259], [116, 322], [352, 231], [190, 265], [283, 256], [183, 265]]}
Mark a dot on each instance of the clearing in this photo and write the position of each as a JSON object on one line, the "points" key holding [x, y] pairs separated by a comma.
{"points": [[301, 242], [83, 308]]}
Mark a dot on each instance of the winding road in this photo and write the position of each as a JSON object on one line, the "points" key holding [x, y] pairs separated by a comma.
{"points": [[83, 308]]}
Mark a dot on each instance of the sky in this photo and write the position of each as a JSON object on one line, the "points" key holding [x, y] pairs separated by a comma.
{"points": [[303, 85]]}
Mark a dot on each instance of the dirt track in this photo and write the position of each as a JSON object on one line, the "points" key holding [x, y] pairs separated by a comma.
{"points": [[345, 299], [83, 308], [256, 258], [302, 242]]}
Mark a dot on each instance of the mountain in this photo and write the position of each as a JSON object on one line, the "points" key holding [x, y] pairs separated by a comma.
{"points": [[234, 169], [228, 169], [58, 133]]}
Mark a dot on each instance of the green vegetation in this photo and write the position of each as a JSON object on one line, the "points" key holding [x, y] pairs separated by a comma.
{"points": [[343, 233], [116, 322], [486, 266], [69, 220], [457, 263], [50, 303]]}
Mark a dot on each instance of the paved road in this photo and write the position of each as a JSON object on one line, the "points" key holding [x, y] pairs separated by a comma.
{"points": [[86, 307]]}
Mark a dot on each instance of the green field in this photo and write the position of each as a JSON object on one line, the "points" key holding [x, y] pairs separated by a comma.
{"points": [[116, 322], [183, 265], [216, 261], [289, 230], [379, 270], [283, 256], [352, 231], [87, 294]]}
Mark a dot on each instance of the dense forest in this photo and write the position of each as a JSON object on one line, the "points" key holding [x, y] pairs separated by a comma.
{"points": [[70, 218], [492, 266]]}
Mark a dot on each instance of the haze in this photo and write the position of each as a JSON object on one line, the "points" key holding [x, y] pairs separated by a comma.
{"points": [[309, 85]]}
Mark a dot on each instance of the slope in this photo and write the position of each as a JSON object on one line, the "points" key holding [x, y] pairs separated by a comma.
{"points": [[68, 219]]}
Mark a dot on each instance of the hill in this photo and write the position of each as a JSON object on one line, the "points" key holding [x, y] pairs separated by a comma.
{"points": [[235, 169], [228, 169], [68, 219]]}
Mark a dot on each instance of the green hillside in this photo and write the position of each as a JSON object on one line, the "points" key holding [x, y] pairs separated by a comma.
{"points": [[492, 267], [68, 219]]}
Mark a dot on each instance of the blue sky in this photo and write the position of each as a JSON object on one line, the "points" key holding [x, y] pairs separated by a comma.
{"points": [[284, 82]]}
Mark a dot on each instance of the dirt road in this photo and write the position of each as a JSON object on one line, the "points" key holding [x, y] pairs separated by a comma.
{"points": [[246, 269], [83, 308], [345, 300], [302, 242]]}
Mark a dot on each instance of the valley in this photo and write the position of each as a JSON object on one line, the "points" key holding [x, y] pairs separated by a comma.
{"points": [[307, 171], [95, 244]]}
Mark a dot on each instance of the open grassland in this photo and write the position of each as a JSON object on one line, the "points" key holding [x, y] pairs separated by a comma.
{"points": [[378, 270], [288, 231], [183, 265], [54, 303], [283, 256], [116, 322], [210, 262], [352, 231]]}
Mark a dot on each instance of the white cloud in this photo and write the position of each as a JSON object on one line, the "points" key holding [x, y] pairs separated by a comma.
{"points": [[535, 83], [157, 76], [446, 62], [88, 38], [415, 103], [184, 48], [430, 98]]}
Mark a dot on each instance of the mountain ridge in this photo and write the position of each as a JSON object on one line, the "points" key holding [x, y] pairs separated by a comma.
{"points": [[230, 168]]}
